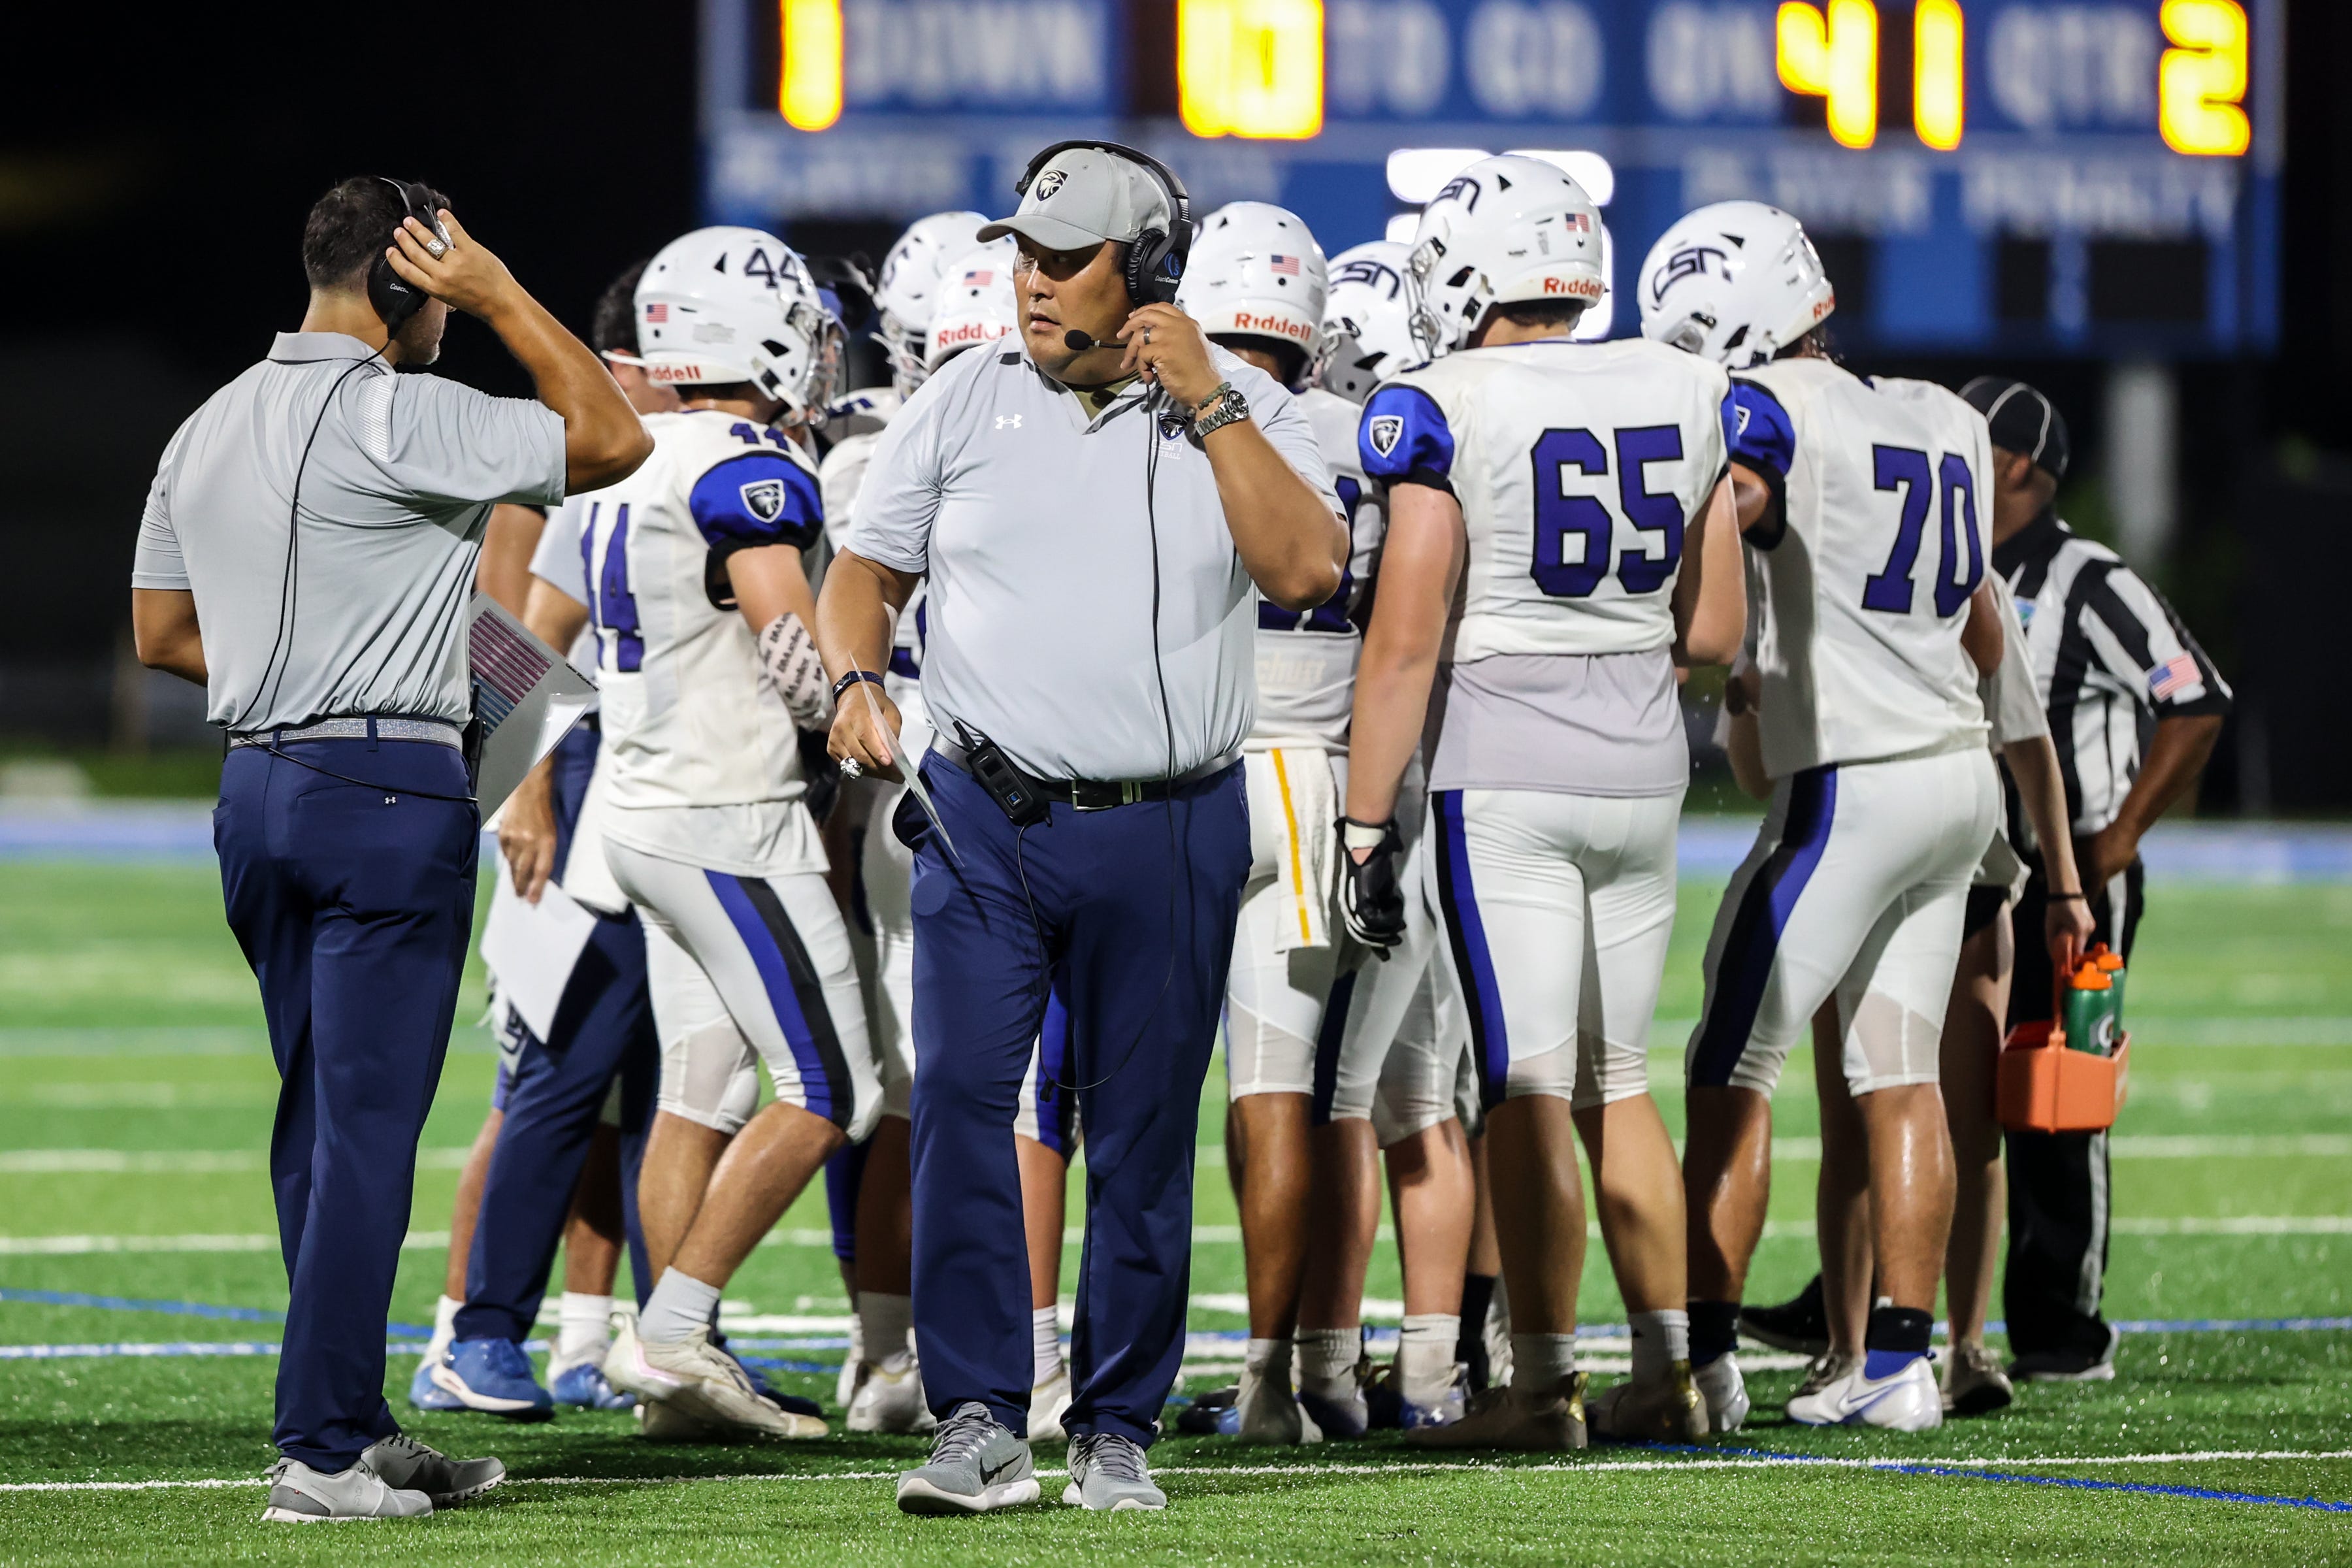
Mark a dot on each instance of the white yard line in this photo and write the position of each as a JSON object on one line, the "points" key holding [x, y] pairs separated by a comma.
{"points": [[1762, 1462], [172, 1161]]}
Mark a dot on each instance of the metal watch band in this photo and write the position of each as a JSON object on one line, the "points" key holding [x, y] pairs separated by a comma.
{"points": [[1221, 407]]}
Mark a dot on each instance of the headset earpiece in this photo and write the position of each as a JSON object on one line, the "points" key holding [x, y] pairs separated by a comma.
{"points": [[395, 299], [1155, 259]]}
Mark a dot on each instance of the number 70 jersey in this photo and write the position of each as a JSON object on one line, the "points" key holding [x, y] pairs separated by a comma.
{"points": [[1579, 467], [1883, 487]]}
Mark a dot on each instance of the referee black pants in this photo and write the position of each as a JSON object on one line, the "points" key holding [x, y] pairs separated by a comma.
{"points": [[2059, 1199]]}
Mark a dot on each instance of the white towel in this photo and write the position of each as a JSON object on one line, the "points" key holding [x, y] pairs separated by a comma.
{"points": [[1296, 784]]}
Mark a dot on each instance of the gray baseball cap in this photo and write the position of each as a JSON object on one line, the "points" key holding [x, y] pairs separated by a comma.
{"points": [[1083, 196]]}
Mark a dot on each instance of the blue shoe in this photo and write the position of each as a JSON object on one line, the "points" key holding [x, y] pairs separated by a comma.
{"points": [[581, 1386], [426, 1395], [1449, 1407], [1216, 1414], [494, 1375]]}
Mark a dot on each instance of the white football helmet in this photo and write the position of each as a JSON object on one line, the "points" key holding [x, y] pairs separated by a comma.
{"points": [[1256, 272], [975, 302], [1367, 321], [1736, 282], [1503, 230], [723, 305], [909, 290]]}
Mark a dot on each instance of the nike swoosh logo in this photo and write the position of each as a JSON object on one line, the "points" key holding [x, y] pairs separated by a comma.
{"points": [[988, 1473]]}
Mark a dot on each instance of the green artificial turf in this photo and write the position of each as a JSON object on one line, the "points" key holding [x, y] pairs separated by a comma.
{"points": [[128, 1024]]}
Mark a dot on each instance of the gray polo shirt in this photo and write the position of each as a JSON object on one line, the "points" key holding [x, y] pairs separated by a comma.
{"points": [[1031, 522], [365, 612]]}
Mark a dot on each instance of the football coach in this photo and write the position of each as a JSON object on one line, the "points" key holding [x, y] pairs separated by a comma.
{"points": [[307, 555], [1091, 500]]}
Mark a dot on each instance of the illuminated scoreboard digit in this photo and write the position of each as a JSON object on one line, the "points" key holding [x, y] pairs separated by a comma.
{"points": [[2049, 176]]}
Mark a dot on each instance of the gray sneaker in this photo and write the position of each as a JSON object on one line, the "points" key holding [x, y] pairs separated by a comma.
{"points": [[976, 1464], [1107, 1474], [403, 1462], [300, 1495]]}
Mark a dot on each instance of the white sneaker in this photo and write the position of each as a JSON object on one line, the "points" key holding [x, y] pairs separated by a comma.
{"points": [[1725, 1392], [1047, 1402], [300, 1495], [1974, 1383], [1270, 1413], [1905, 1400], [844, 1387], [703, 1383], [889, 1397], [1823, 1370]]}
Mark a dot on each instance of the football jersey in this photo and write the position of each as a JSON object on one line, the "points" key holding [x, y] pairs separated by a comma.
{"points": [[1883, 485], [1578, 467], [1307, 658], [705, 761]]}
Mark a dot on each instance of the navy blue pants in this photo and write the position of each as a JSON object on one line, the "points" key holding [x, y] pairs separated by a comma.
{"points": [[353, 903], [603, 1027], [1135, 907]]}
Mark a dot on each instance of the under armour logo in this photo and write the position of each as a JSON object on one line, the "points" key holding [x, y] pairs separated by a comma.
{"points": [[1014, 420]]}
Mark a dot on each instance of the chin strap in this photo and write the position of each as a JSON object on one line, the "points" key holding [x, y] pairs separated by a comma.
{"points": [[793, 669]]}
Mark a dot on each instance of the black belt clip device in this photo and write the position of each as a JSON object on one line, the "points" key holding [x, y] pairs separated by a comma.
{"points": [[1006, 784]]}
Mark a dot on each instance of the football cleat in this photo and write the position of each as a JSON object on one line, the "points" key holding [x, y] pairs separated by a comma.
{"points": [[1267, 1411], [1047, 1402], [1107, 1475], [1507, 1418], [977, 1464], [1449, 1407], [1668, 1410], [1825, 1369], [1800, 1327], [703, 1381], [494, 1376], [581, 1386], [1725, 1392], [844, 1387], [1902, 1398], [425, 1394], [1216, 1414], [2068, 1366], [662, 1423], [1340, 1409], [889, 1397], [1974, 1384], [300, 1495]]}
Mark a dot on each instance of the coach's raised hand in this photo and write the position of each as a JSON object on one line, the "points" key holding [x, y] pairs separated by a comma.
{"points": [[466, 275]]}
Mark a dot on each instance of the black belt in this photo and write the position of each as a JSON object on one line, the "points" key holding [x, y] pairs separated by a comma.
{"points": [[1094, 795]]}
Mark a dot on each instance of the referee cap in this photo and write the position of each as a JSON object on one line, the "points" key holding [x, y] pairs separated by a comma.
{"points": [[1083, 196], [2023, 420]]}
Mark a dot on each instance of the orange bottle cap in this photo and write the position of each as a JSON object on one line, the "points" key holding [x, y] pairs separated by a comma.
{"points": [[2106, 960], [2090, 978]]}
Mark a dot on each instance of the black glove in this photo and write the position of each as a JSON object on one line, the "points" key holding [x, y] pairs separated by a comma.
{"points": [[1369, 896]]}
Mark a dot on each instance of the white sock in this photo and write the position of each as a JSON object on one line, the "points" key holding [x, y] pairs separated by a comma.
{"points": [[681, 1307], [445, 1328], [1270, 1359], [1540, 1364], [888, 1324], [585, 1328], [1426, 1356], [1329, 1356], [1046, 1346], [1660, 1340]]}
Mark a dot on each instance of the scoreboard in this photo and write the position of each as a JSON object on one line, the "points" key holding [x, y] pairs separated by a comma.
{"points": [[2040, 177]]}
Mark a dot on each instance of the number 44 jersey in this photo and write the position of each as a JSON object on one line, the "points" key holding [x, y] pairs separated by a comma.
{"points": [[689, 721], [1865, 590], [1578, 467]]}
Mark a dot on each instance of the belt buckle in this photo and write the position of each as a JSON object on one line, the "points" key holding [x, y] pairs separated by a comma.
{"points": [[1096, 794]]}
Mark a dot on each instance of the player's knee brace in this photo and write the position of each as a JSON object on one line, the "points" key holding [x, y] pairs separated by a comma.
{"points": [[711, 1078]]}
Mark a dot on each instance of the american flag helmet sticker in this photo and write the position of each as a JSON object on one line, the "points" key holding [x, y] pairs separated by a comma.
{"points": [[1283, 266], [657, 311]]}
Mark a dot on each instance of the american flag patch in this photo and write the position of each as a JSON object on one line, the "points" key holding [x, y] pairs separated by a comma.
{"points": [[505, 668], [1285, 266], [2173, 676], [1580, 222], [657, 311], [979, 278]]}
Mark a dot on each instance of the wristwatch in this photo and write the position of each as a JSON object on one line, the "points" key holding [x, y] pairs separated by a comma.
{"points": [[1221, 407]]}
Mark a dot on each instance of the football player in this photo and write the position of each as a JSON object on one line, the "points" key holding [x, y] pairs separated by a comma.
{"points": [[706, 672], [1860, 502], [1559, 540]]}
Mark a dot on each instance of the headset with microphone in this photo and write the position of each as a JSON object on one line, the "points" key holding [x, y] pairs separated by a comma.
{"points": [[1156, 258], [393, 297]]}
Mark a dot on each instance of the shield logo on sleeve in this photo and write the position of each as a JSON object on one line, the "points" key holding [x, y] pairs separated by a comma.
{"points": [[1386, 430], [764, 498]]}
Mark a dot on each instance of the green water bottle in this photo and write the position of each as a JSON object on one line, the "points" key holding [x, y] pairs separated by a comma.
{"points": [[2093, 1005], [2111, 964]]}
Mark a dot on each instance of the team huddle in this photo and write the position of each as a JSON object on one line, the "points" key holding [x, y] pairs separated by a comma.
{"points": [[1464, 785]]}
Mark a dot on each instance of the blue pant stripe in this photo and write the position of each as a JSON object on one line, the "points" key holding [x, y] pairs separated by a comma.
{"points": [[1465, 929], [1327, 1040], [1754, 940], [794, 991]]}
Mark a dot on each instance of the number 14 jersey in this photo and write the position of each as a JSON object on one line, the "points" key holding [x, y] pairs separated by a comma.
{"points": [[1883, 492]]}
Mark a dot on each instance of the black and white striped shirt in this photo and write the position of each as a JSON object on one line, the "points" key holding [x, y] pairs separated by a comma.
{"points": [[2110, 658]]}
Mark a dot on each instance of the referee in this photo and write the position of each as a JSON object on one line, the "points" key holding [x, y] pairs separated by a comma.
{"points": [[2135, 707], [1091, 502], [306, 555]]}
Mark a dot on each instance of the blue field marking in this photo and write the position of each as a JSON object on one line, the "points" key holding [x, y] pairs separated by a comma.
{"points": [[777, 1363], [172, 1348], [172, 1309], [1973, 1473]]}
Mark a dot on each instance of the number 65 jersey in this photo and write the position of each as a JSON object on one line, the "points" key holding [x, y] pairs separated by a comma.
{"points": [[1577, 467], [1866, 589]]}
